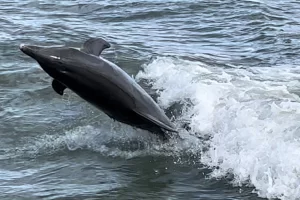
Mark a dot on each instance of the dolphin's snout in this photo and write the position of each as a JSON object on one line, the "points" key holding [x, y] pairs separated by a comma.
{"points": [[22, 46], [30, 50], [25, 50]]}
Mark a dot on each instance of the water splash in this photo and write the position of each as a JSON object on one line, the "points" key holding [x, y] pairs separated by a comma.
{"points": [[250, 114]]}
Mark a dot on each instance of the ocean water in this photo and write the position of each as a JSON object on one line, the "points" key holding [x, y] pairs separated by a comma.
{"points": [[228, 68]]}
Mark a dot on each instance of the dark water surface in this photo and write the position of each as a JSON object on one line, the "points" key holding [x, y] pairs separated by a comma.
{"points": [[229, 68]]}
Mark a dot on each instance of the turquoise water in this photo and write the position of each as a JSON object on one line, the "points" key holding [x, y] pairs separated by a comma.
{"points": [[229, 68]]}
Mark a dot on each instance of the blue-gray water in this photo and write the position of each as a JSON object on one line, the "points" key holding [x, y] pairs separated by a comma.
{"points": [[229, 68]]}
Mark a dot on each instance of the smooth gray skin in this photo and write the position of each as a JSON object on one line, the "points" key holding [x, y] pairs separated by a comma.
{"points": [[101, 83]]}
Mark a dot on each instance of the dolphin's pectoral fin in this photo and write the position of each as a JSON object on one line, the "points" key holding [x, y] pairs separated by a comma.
{"points": [[58, 87], [95, 46], [155, 121]]}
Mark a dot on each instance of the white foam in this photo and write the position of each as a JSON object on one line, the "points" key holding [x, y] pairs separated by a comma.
{"points": [[251, 115]]}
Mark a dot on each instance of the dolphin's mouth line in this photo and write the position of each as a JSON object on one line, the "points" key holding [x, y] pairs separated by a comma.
{"points": [[55, 57]]}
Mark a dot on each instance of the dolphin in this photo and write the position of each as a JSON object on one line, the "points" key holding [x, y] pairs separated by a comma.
{"points": [[101, 83]]}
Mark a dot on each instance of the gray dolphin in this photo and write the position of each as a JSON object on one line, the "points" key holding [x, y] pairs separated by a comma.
{"points": [[101, 83]]}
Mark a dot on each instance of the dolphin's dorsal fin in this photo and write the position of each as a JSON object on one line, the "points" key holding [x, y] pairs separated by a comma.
{"points": [[95, 46], [58, 87]]}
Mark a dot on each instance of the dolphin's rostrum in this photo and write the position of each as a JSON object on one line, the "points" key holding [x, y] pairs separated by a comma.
{"points": [[101, 83]]}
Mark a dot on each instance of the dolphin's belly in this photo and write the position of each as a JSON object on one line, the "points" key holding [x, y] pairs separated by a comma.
{"points": [[110, 102], [118, 112]]}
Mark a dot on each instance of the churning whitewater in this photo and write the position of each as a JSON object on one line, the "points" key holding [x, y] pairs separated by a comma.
{"points": [[250, 114]]}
